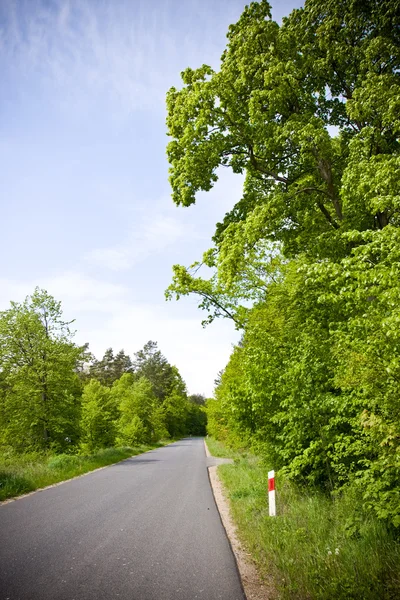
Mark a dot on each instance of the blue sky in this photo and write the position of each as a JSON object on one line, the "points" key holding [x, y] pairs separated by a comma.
{"points": [[86, 208]]}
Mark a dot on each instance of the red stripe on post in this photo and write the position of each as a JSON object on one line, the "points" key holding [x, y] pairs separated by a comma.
{"points": [[271, 484]]}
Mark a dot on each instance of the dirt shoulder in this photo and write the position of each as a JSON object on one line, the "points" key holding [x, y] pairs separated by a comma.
{"points": [[254, 587]]}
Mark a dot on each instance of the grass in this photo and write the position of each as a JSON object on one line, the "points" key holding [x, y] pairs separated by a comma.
{"points": [[317, 548], [219, 450], [28, 472]]}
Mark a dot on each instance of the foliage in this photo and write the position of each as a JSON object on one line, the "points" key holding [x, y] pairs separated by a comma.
{"points": [[176, 411], [99, 417], [141, 419], [55, 396], [197, 399], [266, 113], [110, 368], [152, 364], [196, 420], [306, 263], [39, 392]]}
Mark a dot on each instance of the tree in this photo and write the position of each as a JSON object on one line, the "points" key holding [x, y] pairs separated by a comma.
{"points": [[141, 418], [197, 399], [122, 364], [40, 387], [176, 408], [110, 367], [152, 364], [99, 417], [196, 420], [268, 113]]}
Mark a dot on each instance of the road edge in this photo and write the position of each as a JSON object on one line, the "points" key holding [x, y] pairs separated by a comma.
{"points": [[254, 588]]}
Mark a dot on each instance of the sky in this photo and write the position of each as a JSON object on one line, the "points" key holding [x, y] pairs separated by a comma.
{"points": [[86, 204]]}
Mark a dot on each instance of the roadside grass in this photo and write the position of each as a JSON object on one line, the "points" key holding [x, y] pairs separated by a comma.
{"points": [[28, 472], [219, 450], [317, 548]]}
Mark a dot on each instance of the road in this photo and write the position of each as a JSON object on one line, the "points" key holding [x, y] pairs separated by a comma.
{"points": [[143, 529]]}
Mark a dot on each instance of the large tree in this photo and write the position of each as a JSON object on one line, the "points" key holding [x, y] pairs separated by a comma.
{"points": [[309, 112]]}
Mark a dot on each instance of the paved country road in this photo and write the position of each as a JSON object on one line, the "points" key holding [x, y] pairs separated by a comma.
{"points": [[143, 529]]}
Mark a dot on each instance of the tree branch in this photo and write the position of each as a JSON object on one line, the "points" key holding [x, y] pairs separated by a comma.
{"points": [[258, 167]]}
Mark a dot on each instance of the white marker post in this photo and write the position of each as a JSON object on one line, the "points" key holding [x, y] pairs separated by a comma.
{"points": [[271, 493]]}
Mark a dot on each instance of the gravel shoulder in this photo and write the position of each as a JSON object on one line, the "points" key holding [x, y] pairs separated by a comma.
{"points": [[254, 587]]}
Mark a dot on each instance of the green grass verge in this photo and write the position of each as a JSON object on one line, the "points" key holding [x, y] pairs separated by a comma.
{"points": [[219, 450], [317, 548], [29, 472]]}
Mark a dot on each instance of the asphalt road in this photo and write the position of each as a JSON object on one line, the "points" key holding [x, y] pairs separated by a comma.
{"points": [[143, 529]]}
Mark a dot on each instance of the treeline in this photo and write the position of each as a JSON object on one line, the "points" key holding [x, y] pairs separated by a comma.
{"points": [[55, 395], [309, 112]]}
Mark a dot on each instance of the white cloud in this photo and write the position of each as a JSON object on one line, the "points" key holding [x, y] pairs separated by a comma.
{"points": [[81, 49], [129, 52], [149, 237], [77, 291], [82, 293]]}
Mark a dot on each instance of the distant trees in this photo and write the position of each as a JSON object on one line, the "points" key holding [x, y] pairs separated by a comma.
{"points": [[141, 417], [55, 395], [196, 420], [197, 399], [99, 417], [110, 367], [149, 362]]}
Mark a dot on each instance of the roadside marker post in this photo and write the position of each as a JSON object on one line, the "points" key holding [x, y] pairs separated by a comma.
{"points": [[271, 493]]}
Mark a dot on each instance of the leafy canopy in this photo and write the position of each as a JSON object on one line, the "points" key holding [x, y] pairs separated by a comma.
{"points": [[309, 113]]}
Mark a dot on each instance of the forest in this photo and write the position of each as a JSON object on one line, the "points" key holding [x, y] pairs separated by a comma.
{"points": [[57, 398], [307, 263]]}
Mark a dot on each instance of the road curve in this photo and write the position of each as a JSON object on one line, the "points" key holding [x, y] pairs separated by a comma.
{"points": [[143, 529]]}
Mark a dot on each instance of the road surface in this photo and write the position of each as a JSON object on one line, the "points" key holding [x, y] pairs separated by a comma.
{"points": [[143, 529]]}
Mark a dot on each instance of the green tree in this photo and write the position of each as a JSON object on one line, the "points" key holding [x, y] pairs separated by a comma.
{"points": [[141, 417], [40, 387], [267, 112], [110, 367], [150, 363], [196, 419], [176, 412], [84, 364], [99, 417], [197, 399]]}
